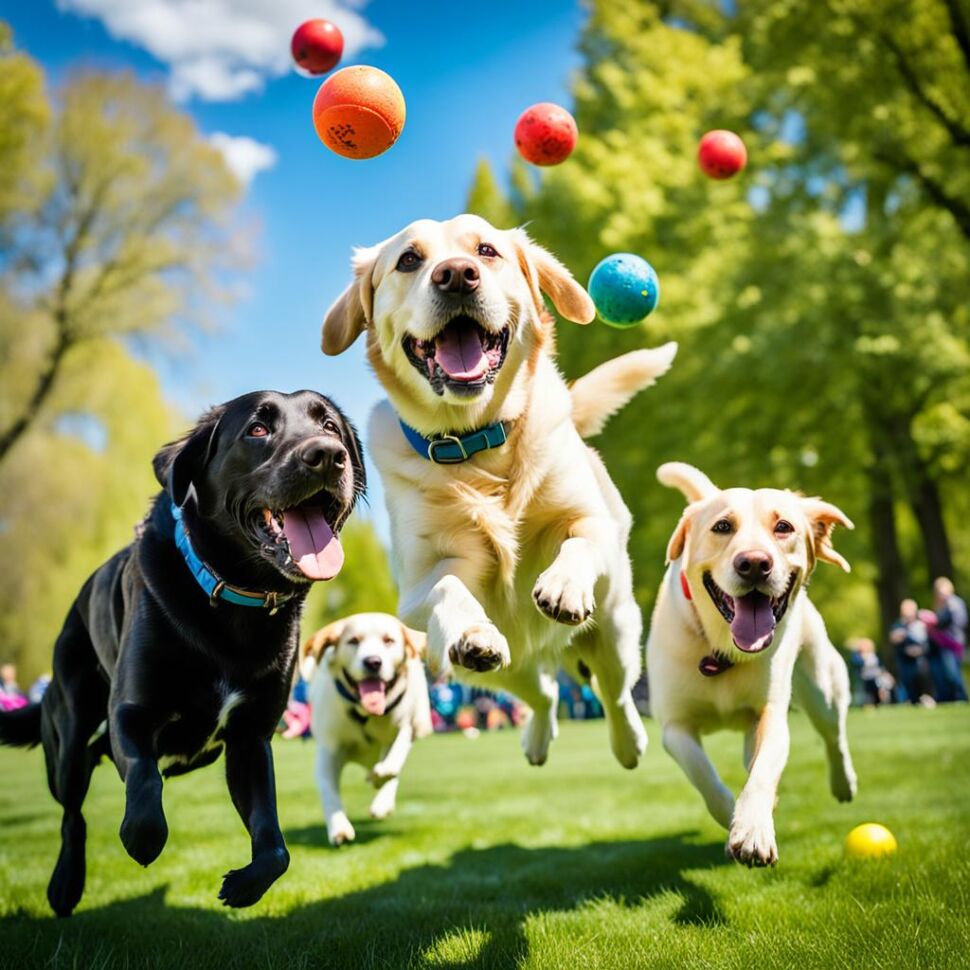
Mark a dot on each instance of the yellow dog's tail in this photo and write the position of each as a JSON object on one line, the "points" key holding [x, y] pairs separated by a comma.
{"points": [[598, 395]]}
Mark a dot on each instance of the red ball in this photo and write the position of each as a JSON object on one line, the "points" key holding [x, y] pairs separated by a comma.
{"points": [[317, 46], [546, 134], [721, 154]]}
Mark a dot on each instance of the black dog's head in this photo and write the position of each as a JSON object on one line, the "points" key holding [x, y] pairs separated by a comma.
{"points": [[273, 477]]}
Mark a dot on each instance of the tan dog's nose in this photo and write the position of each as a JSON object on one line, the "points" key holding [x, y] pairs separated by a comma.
{"points": [[458, 275], [749, 565]]}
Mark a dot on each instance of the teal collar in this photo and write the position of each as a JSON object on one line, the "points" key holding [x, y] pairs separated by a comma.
{"points": [[212, 584], [453, 449]]}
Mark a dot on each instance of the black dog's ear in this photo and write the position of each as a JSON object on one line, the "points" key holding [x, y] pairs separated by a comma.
{"points": [[356, 451], [181, 461]]}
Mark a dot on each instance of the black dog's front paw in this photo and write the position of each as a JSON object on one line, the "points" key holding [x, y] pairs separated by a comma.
{"points": [[243, 887], [144, 830]]}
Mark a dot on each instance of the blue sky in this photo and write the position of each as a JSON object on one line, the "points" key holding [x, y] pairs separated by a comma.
{"points": [[467, 72]]}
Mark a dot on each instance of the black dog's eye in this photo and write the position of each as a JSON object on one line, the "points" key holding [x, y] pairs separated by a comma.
{"points": [[783, 527], [408, 261], [257, 430], [722, 527], [489, 252], [331, 427]]}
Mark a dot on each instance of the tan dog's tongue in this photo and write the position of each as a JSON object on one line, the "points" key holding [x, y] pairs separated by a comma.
{"points": [[373, 696]]}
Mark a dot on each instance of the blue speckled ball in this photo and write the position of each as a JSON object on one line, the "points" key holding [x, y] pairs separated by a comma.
{"points": [[625, 289]]}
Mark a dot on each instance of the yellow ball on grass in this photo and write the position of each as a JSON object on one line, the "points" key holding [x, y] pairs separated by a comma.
{"points": [[870, 841]]}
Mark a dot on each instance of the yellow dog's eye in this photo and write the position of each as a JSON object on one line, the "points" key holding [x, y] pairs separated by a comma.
{"points": [[489, 252], [722, 527], [408, 261], [784, 528]]}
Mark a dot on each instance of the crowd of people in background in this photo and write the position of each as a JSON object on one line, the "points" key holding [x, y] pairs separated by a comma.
{"points": [[928, 646]]}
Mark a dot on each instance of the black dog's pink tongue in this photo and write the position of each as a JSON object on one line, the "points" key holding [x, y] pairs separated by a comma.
{"points": [[313, 546], [373, 696], [459, 352], [754, 622]]}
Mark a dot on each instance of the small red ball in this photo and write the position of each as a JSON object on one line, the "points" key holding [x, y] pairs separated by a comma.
{"points": [[317, 46], [721, 154], [546, 134]]}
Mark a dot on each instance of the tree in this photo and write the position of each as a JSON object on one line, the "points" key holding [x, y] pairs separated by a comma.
{"points": [[121, 233]]}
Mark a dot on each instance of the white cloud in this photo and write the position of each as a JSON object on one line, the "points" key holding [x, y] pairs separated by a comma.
{"points": [[219, 50], [245, 157]]}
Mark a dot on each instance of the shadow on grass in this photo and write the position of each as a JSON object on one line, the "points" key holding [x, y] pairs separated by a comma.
{"points": [[469, 911]]}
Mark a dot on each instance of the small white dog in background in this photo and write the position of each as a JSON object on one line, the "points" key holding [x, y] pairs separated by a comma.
{"points": [[369, 700], [733, 632]]}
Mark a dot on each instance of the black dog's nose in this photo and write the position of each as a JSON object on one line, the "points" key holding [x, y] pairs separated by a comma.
{"points": [[457, 275], [372, 664], [751, 564], [323, 455]]}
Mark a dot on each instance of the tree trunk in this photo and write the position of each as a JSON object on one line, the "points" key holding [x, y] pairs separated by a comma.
{"points": [[924, 497], [892, 579], [45, 384]]}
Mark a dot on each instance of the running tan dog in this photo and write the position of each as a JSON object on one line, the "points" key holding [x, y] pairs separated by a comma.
{"points": [[504, 523], [369, 699], [732, 632]]}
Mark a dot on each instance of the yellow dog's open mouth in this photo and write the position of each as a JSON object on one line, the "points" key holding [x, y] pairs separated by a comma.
{"points": [[462, 356], [752, 617]]}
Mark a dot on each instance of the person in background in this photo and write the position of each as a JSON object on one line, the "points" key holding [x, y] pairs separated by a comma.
{"points": [[11, 696], [877, 682], [910, 637], [950, 633], [38, 688]]}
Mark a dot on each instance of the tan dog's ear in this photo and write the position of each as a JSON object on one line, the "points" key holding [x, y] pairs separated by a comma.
{"points": [[415, 642], [544, 272], [347, 319], [823, 518], [313, 650], [675, 548]]}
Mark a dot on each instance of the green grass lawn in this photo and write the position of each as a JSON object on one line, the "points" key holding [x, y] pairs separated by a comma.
{"points": [[491, 863]]}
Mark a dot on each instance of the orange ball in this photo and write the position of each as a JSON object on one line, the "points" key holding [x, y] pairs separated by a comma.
{"points": [[359, 112]]}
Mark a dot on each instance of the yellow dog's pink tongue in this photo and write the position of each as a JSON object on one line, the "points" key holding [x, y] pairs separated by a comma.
{"points": [[754, 622], [373, 696], [460, 354], [313, 546]]}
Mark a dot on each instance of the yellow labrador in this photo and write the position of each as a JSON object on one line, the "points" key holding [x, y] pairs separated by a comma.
{"points": [[505, 524], [732, 632], [369, 699]]}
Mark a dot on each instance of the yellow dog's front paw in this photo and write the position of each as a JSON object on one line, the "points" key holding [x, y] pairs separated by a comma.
{"points": [[564, 597], [481, 648], [752, 840]]}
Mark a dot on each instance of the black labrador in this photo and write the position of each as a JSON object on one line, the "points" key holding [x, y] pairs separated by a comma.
{"points": [[183, 644]]}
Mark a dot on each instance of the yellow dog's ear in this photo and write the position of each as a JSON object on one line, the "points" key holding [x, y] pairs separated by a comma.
{"points": [[347, 319], [415, 642], [546, 274], [675, 548], [823, 518], [313, 650]]}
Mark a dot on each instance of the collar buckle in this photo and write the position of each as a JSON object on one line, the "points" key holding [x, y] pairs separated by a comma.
{"points": [[272, 602], [216, 593], [447, 439]]}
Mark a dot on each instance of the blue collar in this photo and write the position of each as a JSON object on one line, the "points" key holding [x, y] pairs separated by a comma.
{"points": [[453, 449], [210, 581]]}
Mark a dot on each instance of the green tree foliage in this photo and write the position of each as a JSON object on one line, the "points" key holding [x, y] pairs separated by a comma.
{"points": [[113, 219], [820, 299]]}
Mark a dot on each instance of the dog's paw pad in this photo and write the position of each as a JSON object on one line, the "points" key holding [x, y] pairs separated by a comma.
{"points": [[481, 648], [753, 843], [564, 598]]}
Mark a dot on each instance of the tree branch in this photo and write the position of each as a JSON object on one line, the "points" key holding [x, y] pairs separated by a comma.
{"points": [[961, 32], [959, 134]]}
